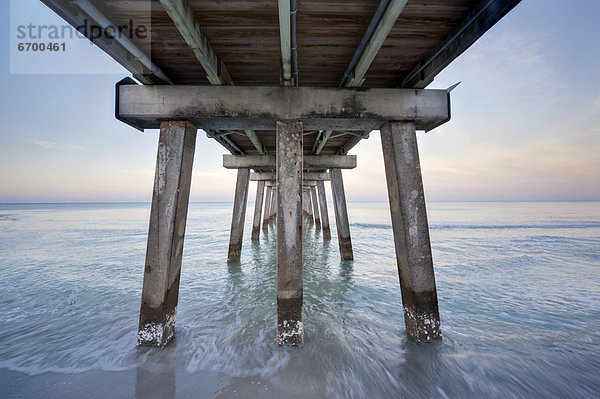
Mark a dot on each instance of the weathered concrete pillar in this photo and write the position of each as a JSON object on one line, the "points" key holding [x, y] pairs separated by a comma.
{"points": [[274, 205], [341, 214], [324, 213], [258, 203], [239, 215], [308, 205], [314, 202], [411, 231], [267, 207], [168, 217], [304, 210], [290, 330]]}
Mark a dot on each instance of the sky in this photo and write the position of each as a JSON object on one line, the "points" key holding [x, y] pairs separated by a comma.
{"points": [[525, 121]]}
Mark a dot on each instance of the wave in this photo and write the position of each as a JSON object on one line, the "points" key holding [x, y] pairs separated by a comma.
{"points": [[537, 226], [372, 226], [474, 226]]}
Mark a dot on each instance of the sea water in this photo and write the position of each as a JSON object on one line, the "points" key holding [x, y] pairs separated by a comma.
{"points": [[518, 287]]}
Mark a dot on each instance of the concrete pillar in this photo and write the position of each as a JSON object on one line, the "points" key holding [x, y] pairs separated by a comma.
{"points": [[168, 217], [267, 207], [304, 210], [411, 231], [239, 215], [341, 214], [305, 203], [274, 205], [313, 197], [309, 206], [324, 213], [290, 330], [258, 204]]}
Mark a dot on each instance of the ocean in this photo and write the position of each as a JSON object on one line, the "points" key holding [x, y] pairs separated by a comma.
{"points": [[518, 286]]}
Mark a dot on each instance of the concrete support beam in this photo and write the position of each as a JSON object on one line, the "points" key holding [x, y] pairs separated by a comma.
{"points": [[257, 108], [271, 177], [411, 231], [268, 202], [239, 215], [313, 197], [324, 212], [268, 161], [290, 330], [168, 217], [341, 215], [258, 204], [316, 176], [264, 176]]}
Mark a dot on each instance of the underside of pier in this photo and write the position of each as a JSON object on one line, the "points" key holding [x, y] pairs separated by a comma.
{"points": [[288, 88]]}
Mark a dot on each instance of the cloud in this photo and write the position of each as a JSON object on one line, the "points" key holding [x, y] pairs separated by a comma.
{"points": [[41, 143], [53, 145]]}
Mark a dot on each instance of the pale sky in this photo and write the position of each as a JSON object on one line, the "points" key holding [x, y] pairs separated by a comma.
{"points": [[525, 123]]}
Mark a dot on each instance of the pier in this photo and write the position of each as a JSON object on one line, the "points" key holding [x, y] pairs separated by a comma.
{"points": [[288, 89]]}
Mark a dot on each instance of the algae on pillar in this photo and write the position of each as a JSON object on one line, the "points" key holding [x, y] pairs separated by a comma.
{"points": [[411, 231], [168, 216], [290, 330]]}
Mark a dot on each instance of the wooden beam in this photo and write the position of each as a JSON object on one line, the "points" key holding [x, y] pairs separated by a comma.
{"points": [[128, 55], [385, 25], [479, 21], [239, 108], [187, 24], [376, 41], [326, 136], [285, 38], [183, 17], [268, 161], [255, 141]]}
